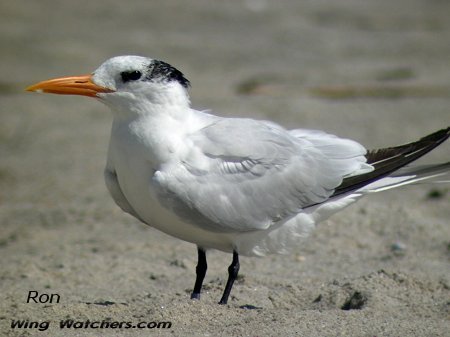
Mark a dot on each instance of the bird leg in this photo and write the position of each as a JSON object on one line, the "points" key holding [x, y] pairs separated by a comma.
{"points": [[233, 270], [201, 272]]}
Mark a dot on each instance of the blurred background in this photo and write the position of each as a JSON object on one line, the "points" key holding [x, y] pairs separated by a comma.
{"points": [[377, 71]]}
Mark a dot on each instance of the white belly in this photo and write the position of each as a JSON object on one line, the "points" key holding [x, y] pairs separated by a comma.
{"points": [[137, 188]]}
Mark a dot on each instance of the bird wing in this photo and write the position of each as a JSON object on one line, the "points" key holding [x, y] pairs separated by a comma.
{"points": [[243, 174]]}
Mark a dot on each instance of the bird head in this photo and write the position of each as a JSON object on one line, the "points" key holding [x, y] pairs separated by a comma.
{"points": [[124, 82]]}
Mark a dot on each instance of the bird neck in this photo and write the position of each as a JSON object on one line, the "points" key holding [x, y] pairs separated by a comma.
{"points": [[155, 131], [170, 101]]}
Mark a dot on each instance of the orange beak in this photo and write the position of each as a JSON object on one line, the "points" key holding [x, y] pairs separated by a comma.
{"points": [[70, 85]]}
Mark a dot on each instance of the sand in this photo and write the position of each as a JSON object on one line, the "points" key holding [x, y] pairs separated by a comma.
{"points": [[375, 71]]}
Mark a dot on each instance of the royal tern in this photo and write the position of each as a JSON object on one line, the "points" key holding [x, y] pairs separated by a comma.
{"points": [[239, 185]]}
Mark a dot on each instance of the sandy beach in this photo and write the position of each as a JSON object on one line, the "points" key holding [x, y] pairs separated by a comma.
{"points": [[373, 71]]}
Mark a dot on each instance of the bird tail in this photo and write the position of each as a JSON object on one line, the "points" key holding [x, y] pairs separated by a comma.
{"points": [[391, 167], [437, 173], [391, 170]]}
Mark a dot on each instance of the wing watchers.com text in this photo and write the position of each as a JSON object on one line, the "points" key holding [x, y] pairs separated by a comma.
{"points": [[88, 324]]}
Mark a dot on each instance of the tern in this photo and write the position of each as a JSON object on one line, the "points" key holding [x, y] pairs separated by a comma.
{"points": [[243, 186]]}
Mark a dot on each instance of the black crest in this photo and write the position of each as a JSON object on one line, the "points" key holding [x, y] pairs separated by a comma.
{"points": [[165, 72]]}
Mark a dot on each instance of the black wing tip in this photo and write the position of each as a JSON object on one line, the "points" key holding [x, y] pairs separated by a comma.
{"points": [[442, 134], [389, 160], [426, 143]]}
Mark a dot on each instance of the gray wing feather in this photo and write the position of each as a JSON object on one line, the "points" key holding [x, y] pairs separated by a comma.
{"points": [[243, 174]]}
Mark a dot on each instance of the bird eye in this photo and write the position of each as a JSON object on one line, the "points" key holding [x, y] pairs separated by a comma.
{"points": [[130, 75]]}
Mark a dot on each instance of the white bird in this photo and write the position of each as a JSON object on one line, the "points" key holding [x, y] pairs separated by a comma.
{"points": [[243, 186]]}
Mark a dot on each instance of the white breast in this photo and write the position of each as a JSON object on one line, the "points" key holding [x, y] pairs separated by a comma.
{"points": [[137, 150]]}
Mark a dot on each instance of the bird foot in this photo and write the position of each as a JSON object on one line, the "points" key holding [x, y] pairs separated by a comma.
{"points": [[195, 296]]}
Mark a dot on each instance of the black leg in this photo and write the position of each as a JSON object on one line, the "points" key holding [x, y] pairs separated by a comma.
{"points": [[201, 272], [233, 270]]}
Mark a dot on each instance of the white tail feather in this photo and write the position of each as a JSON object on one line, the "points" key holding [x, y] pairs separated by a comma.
{"points": [[404, 176], [409, 175]]}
